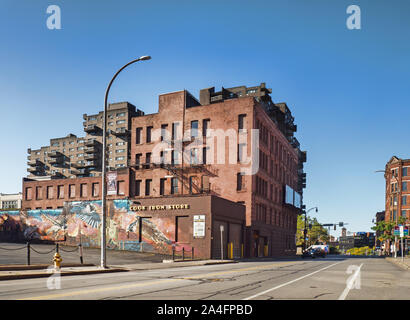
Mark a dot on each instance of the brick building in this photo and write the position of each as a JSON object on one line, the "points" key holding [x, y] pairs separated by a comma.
{"points": [[77, 157], [397, 175], [235, 144]]}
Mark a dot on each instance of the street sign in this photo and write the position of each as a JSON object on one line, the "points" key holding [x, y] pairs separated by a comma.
{"points": [[401, 231]]}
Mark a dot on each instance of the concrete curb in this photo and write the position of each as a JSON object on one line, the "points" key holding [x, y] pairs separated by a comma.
{"points": [[398, 263], [18, 267], [168, 265], [16, 276]]}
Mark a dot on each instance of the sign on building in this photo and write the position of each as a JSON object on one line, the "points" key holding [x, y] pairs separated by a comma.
{"points": [[199, 226], [111, 183]]}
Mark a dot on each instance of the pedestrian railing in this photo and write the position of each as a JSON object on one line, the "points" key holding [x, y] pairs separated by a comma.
{"points": [[29, 247]]}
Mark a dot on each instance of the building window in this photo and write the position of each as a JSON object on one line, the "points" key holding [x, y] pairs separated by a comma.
{"points": [[174, 157], [138, 160], [120, 143], [137, 188], [60, 192], [404, 200], [29, 193], [138, 136], [83, 190], [120, 122], [404, 186], [149, 132], [239, 181], [162, 186], [404, 213], [205, 127], [241, 122], [147, 160], [194, 156], [121, 114], [175, 127], [164, 128], [71, 190], [241, 152], [191, 181], [148, 187], [404, 172], [174, 185], [96, 189], [121, 187], [194, 128], [120, 150], [39, 193]]}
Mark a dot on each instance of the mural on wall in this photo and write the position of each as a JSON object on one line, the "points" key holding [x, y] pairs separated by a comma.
{"points": [[80, 221], [32, 225], [123, 227]]}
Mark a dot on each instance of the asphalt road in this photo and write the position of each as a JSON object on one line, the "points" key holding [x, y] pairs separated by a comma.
{"points": [[370, 278]]}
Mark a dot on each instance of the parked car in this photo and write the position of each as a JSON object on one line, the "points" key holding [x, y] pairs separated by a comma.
{"points": [[314, 251]]}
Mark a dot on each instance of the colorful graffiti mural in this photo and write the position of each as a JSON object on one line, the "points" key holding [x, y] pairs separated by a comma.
{"points": [[124, 231], [80, 222], [32, 225]]}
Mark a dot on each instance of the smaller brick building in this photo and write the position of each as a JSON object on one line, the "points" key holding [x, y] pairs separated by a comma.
{"points": [[52, 193]]}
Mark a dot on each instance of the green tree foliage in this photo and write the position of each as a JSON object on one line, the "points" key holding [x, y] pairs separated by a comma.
{"points": [[386, 228], [315, 234]]}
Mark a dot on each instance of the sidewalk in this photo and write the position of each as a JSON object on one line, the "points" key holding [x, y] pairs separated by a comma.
{"points": [[398, 261]]}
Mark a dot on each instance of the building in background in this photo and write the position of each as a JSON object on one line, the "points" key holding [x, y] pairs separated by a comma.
{"points": [[174, 154], [358, 240], [78, 157], [10, 201]]}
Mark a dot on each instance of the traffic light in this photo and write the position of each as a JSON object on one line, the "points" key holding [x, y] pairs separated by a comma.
{"points": [[340, 224], [334, 227]]}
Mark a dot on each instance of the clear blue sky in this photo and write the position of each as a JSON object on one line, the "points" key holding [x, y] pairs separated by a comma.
{"points": [[348, 89]]}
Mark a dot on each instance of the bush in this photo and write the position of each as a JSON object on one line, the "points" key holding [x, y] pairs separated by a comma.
{"points": [[360, 251]]}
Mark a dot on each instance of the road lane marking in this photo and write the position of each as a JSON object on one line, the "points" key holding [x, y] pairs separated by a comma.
{"points": [[350, 283], [239, 270], [290, 282], [98, 290]]}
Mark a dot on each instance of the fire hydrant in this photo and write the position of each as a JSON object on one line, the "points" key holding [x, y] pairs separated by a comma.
{"points": [[57, 261]]}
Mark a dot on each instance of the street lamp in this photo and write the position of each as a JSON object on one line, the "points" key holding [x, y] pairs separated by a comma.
{"points": [[305, 230], [104, 150]]}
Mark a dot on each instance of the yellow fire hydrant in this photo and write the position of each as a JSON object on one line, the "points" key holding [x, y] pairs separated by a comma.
{"points": [[57, 260]]}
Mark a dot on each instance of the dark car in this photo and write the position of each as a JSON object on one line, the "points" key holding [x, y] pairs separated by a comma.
{"points": [[309, 253]]}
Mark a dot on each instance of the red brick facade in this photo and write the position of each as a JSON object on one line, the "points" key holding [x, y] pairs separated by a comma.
{"points": [[271, 224], [51, 194], [397, 175]]}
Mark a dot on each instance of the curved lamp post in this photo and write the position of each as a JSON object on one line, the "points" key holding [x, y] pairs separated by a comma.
{"points": [[104, 162]]}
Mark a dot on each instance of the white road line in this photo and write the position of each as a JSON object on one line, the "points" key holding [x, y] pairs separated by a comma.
{"points": [[285, 284], [350, 283]]}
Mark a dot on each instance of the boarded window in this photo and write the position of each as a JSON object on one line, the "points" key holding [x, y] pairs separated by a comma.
{"points": [[60, 192], [39, 193], [71, 190], [83, 190], [49, 192], [29, 193], [121, 187], [96, 189]]}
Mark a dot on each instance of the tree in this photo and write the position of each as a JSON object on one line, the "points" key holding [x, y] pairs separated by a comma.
{"points": [[317, 233], [386, 229]]}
